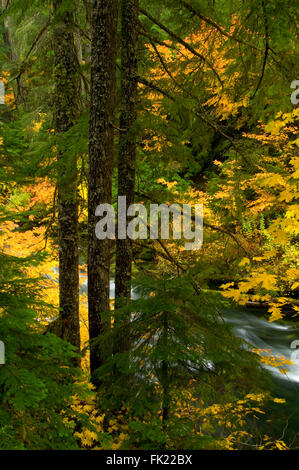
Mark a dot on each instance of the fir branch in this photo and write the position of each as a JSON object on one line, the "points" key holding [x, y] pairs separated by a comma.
{"points": [[182, 42], [216, 26]]}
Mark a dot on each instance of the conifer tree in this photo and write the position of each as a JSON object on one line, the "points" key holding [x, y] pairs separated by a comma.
{"points": [[66, 102], [127, 143], [101, 160], [178, 342], [37, 379]]}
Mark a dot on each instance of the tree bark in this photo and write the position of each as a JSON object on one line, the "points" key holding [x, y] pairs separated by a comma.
{"points": [[66, 110], [127, 139], [7, 34], [101, 156]]}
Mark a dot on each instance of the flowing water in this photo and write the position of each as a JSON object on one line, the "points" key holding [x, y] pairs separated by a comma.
{"points": [[258, 332], [254, 328]]}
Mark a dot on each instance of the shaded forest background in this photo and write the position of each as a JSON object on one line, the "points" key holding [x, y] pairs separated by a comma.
{"points": [[185, 102]]}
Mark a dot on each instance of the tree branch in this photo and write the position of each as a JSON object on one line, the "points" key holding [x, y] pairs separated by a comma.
{"points": [[219, 28], [267, 48], [181, 41]]}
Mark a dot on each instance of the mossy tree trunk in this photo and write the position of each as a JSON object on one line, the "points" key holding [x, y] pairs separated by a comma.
{"points": [[66, 109], [127, 144], [101, 156], [7, 33]]}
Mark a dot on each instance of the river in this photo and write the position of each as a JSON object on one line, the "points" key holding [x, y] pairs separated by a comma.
{"points": [[254, 328]]}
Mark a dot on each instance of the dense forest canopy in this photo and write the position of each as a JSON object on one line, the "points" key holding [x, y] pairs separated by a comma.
{"points": [[127, 342]]}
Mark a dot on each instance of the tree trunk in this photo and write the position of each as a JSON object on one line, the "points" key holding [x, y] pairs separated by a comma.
{"points": [[127, 140], [66, 109], [101, 137], [7, 35]]}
